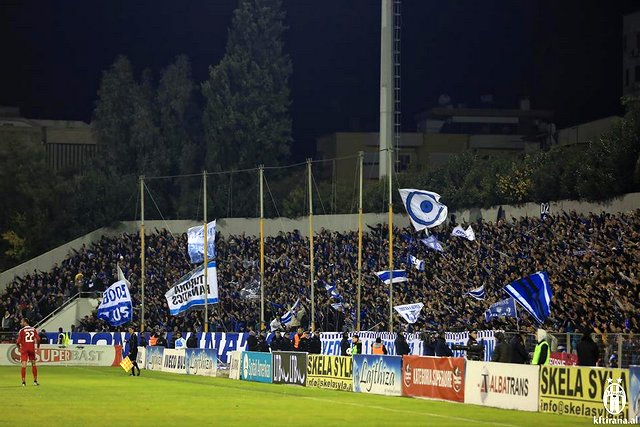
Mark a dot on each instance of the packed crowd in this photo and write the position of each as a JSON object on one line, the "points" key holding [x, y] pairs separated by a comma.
{"points": [[593, 263]]}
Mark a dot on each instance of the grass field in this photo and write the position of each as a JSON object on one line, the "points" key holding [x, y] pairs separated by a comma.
{"points": [[77, 396]]}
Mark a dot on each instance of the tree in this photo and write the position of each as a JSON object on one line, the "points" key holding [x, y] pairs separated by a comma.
{"points": [[246, 118]]}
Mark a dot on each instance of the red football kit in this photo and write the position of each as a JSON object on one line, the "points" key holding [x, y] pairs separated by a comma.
{"points": [[27, 339]]}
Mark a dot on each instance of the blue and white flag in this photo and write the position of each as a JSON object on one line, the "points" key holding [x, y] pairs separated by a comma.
{"points": [[432, 243], [189, 291], [116, 307], [533, 293], [477, 293], [410, 312], [423, 207], [195, 242], [333, 292], [338, 306], [288, 317], [504, 308], [397, 276], [417, 263], [467, 234]]}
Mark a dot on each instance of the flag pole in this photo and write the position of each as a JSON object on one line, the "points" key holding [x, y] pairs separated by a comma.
{"points": [[389, 179], [360, 165], [313, 303], [261, 177], [141, 253], [206, 256]]}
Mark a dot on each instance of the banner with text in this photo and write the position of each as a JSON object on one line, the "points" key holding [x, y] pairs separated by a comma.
{"points": [[235, 359], [256, 367], [581, 391], [49, 354], [289, 367], [502, 385], [189, 291], [200, 361], [330, 372], [434, 377], [377, 374], [634, 393], [153, 360], [563, 359], [173, 360]]}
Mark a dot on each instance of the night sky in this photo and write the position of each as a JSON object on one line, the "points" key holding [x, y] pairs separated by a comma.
{"points": [[564, 54]]}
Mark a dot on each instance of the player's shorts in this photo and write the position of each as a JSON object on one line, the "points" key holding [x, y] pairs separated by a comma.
{"points": [[27, 355]]}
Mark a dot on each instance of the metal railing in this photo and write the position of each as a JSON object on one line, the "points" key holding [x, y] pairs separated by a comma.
{"points": [[65, 305]]}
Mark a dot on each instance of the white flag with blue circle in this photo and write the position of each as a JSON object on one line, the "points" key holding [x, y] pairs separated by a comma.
{"points": [[409, 312], [423, 207]]}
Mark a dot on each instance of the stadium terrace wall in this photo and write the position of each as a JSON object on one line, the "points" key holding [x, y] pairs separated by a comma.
{"points": [[341, 223]]}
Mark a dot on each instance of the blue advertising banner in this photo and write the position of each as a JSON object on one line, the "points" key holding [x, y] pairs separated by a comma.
{"points": [[377, 374], [256, 366], [200, 361], [223, 342], [634, 393], [154, 358]]}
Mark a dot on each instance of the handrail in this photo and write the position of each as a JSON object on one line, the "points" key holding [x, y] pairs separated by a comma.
{"points": [[61, 307]]}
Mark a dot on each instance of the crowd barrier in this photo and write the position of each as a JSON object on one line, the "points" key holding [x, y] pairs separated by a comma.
{"points": [[502, 385], [330, 372], [49, 354]]}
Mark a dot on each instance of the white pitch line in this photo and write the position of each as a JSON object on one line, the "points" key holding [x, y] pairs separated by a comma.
{"points": [[466, 420]]}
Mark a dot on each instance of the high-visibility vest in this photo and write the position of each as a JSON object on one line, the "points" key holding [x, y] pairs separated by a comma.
{"points": [[537, 351], [354, 349], [67, 339], [378, 348], [296, 341], [153, 340]]}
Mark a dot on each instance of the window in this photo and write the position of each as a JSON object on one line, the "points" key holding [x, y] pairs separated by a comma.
{"points": [[403, 162]]}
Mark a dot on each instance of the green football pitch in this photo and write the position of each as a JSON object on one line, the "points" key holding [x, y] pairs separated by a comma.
{"points": [[78, 396]]}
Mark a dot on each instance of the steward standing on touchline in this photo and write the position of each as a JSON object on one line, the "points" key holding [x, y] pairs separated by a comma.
{"points": [[541, 353]]}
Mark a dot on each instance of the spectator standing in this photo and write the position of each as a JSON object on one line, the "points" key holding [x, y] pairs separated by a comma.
{"points": [[587, 350], [502, 349], [402, 347], [441, 347], [180, 342], [344, 344], [315, 344], [192, 341], [378, 347]]}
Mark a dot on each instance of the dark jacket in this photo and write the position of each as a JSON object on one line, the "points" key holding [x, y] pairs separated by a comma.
{"points": [[315, 345], [303, 344], [263, 346], [442, 349], [344, 346], [501, 353], [192, 341], [588, 354], [133, 346], [162, 341], [252, 343], [429, 347], [518, 352], [402, 347], [276, 343]]}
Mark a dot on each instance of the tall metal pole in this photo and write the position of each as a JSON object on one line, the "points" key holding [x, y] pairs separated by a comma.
{"points": [[389, 179], [386, 84], [313, 301], [206, 256], [142, 253], [261, 176], [360, 165]]}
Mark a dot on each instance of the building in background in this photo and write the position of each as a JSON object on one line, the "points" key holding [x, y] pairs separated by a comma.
{"points": [[631, 54], [68, 144]]}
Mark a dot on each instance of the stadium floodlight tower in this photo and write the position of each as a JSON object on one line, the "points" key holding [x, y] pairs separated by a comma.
{"points": [[386, 86]]}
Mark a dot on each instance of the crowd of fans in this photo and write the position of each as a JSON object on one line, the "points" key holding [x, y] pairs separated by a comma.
{"points": [[593, 263]]}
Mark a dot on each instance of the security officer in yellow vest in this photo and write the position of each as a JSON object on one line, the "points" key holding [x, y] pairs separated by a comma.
{"points": [[356, 346], [63, 338], [541, 354]]}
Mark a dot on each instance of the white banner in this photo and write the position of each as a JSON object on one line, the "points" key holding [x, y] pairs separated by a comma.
{"points": [[234, 364], [200, 361], [189, 291], [49, 354], [409, 312], [502, 385], [116, 307], [142, 357], [173, 361]]}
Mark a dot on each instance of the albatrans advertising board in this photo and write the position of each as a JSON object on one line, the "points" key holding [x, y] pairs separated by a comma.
{"points": [[502, 385], [80, 355], [434, 377], [289, 367], [256, 366], [377, 374], [330, 372], [597, 393]]}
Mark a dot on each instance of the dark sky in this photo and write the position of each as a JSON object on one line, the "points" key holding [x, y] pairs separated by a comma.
{"points": [[564, 54]]}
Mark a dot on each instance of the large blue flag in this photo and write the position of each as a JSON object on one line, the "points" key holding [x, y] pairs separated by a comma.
{"points": [[397, 276], [116, 307], [195, 242], [506, 308], [423, 207], [533, 293]]}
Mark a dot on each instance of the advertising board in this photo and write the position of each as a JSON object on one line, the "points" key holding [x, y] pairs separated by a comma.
{"points": [[434, 377], [235, 359], [502, 385], [173, 360], [377, 374], [81, 355], [256, 366], [201, 361], [289, 367], [330, 372]]}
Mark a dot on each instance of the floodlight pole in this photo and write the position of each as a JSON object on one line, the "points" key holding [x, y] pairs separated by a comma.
{"points": [[206, 256], [360, 165], [261, 176], [311, 265], [142, 253]]}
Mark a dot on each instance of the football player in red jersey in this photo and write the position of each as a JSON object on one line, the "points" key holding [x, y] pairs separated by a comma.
{"points": [[28, 338]]}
